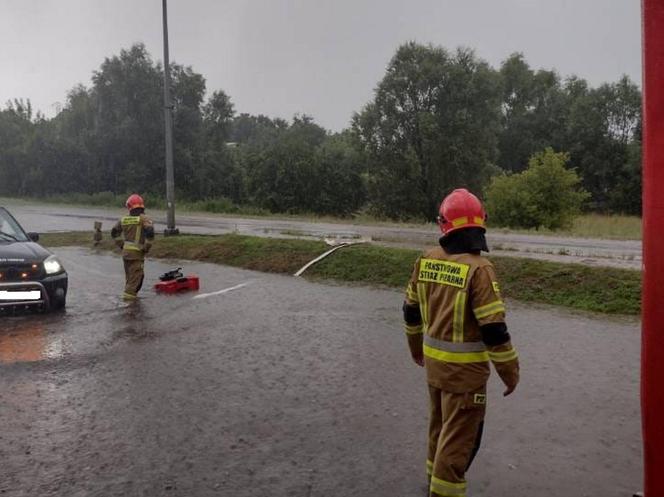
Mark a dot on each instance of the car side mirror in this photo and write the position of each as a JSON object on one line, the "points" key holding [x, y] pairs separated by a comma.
{"points": [[33, 236]]}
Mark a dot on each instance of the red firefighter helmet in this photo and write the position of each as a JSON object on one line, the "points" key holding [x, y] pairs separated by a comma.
{"points": [[134, 202], [460, 209]]}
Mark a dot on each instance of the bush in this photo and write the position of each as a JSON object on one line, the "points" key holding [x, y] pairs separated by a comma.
{"points": [[223, 205], [98, 199], [546, 195], [220, 205]]}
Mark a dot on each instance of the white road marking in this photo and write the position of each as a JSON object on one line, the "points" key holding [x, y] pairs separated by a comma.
{"points": [[219, 292]]}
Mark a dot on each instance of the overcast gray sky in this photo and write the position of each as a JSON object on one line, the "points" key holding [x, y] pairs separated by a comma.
{"points": [[319, 57]]}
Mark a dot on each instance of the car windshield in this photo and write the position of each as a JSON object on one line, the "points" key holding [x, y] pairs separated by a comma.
{"points": [[10, 230]]}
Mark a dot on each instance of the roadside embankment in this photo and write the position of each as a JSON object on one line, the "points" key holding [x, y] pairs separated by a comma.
{"points": [[605, 290]]}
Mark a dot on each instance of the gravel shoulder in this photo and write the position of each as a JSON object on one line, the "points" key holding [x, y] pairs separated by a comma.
{"points": [[624, 254]]}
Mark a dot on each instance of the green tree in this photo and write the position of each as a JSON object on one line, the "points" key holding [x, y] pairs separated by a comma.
{"points": [[281, 174], [220, 173], [603, 138], [533, 114], [256, 129], [129, 121], [432, 126], [188, 148], [17, 127], [301, 168], [340, 172], [77, 167], [546, 195]]}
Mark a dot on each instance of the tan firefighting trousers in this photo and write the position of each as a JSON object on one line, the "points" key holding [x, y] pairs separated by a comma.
{"points": [[455, 431], [133, 277]]}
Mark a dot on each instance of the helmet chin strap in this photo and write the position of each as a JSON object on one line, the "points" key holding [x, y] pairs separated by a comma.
{"points": [[440, 221]]}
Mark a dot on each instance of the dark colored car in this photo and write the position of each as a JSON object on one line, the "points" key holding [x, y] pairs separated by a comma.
{"points": [[30, 275]]}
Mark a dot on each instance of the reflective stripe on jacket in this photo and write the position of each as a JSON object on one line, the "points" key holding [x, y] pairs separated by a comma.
{"points": [[137, 233], [132, 229]]}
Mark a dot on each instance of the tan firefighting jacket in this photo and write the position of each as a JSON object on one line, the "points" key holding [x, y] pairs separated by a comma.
{"points": [[137, 235], [456, 294]]}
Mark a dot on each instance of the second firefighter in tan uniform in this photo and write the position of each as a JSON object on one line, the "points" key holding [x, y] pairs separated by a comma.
{"points": [[134, 234], [455, 325]]}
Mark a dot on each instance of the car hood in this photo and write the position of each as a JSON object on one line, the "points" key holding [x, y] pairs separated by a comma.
{"points": [[22, 252]]}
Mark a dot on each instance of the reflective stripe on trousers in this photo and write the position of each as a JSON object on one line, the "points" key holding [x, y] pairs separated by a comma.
{"points": [[446, 488]]}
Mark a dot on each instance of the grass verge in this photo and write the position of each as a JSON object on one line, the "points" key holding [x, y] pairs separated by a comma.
{"points": [[605, 290], [604, 226]]}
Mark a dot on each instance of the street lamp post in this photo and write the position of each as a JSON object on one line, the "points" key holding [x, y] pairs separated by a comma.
{"points": [[168, 122]]}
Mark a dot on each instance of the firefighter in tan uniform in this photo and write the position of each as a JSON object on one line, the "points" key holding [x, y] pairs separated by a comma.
{"points": [[134, 234], [455, 325]]}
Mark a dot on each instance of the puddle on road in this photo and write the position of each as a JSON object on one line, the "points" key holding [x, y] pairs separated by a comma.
{"points": [[85, 328], [29, 342], [39, 337], [96, 319]]}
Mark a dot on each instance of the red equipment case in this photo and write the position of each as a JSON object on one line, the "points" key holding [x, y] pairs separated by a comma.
{"points": [[183, 284]]}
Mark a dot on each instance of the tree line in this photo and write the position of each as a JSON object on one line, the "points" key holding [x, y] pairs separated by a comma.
{"points": [[438, 120]]}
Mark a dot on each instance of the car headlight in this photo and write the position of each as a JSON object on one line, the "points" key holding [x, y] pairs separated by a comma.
{"points": [[52, 265]]}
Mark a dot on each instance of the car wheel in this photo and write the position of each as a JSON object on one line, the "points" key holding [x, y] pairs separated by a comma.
{"points": [[58, 300], [58, 305]]}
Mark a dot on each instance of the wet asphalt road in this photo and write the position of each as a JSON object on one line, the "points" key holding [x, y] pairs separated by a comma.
{"points": [[595, 252], [286, 387]]}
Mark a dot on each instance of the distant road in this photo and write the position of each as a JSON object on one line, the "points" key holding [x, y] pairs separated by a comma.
{"points": [[597, 252]]}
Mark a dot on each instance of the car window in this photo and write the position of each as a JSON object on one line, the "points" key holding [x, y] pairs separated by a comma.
{"points": [[9, 229]]}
